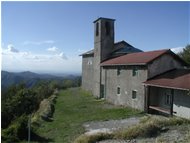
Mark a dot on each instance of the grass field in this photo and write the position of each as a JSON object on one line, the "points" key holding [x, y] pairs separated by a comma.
{"points": [[75, 107]]}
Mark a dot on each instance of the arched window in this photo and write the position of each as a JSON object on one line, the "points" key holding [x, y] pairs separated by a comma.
{"points": [[107, 25], [97, 29]]}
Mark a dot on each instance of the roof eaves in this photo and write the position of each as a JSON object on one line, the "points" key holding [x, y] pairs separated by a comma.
{"points": [[129, 64], [91, 52], [156, 85]]}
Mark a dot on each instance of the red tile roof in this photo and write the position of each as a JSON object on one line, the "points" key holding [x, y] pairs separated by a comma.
{"points": [[135, 58], [176, 79]]}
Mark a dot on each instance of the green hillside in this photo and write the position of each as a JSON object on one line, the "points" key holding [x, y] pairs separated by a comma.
{"points": [[73, 108]]}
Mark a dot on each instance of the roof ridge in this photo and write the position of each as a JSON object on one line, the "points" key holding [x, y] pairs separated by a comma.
{"points": [[158, 50], [120, 42]]}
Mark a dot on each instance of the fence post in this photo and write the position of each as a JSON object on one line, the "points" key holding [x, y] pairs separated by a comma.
{"points": [[29, 125]]}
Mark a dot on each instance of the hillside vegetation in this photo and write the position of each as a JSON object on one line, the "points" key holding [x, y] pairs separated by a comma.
{"points": [[73, 108], [19, 101], [30, 79]]}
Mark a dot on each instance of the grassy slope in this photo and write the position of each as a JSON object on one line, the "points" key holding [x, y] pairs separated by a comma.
{"points": [[73, 108]]}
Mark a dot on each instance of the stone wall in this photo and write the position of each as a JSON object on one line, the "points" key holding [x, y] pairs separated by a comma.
{"points": [[181, 104], [103, 46], [127, 83], [87, 73], [163, 64]]}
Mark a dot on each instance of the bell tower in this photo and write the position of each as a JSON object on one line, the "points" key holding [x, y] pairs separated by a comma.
{"points": [[103, 46]]}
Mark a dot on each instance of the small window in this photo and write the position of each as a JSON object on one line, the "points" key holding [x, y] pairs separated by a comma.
{"points": [[97, 29], [118, 90], [107, 25], [167, 99], [118, 71], [134, 94], [135, 71], [89, 62]]}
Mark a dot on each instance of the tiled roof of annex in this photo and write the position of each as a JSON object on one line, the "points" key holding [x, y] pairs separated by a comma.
{"points": [[176, 79], [141, 58]]}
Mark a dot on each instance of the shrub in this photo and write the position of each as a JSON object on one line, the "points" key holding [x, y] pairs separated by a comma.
{"points": [[16, 131]]}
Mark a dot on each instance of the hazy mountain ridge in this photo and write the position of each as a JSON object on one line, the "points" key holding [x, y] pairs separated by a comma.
{"points": [[27, 77]]}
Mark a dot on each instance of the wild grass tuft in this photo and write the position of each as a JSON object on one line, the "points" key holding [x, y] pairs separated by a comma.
{"points": [[149, 126], [148, 129], [93, 138]]}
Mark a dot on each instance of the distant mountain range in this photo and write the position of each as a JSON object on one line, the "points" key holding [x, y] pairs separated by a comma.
{"points": [[29, 78]]}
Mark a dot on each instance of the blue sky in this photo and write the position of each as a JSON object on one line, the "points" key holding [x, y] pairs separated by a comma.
{"points": [[49, 36]]}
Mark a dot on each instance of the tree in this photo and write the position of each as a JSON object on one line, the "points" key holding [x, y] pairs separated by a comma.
{"points": [[185, 54]]}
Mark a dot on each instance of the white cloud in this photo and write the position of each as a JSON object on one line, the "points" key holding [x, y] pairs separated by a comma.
{"points": [[35, 57], [24, 54], [25, 60], [63, 56], [53, 49], [48, 42], [11, 48], [38, 42], [177, 50]]}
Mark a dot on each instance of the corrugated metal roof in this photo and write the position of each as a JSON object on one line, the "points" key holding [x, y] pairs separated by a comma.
{"points": [[120, 48], [176, 79], [135, 58], [120, 45], [91, 52]]}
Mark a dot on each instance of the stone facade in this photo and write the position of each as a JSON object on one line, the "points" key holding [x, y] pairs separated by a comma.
{"points": [[103, 46], [87, 72], [127, 84], [181, 104], [162, 64], [123, 84]]}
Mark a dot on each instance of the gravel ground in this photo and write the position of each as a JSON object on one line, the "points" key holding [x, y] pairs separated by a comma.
{"points": [[109, 126], [172, 135], [176, 134]]}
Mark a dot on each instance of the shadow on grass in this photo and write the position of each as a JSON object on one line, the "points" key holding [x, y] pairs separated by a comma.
{"points": [[47, 119], [37, 138]]}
